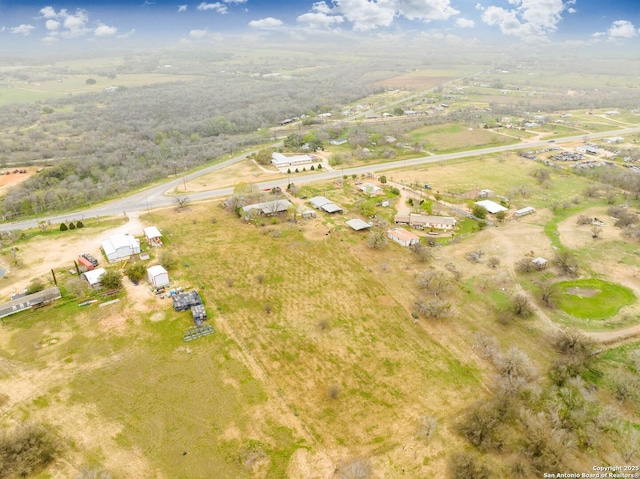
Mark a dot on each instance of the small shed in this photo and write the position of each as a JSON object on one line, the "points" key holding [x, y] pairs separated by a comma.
{"points": [[153, 236], [93, 277], [158, 276], [539, 262], [525, 211]]}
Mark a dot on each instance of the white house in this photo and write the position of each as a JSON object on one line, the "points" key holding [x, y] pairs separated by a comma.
{"points": [[120, 246], [280, 161], [153, 235], [370, 189], [403, 237], [268, 207], [444, 223], [93, 277], [158, 276]]}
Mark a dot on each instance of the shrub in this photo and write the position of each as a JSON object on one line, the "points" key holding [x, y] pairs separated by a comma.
{"points": [[79, 224], [466, 465], [26, 450], [63, 227], [319, 167], [72, 226], [111, 279], [168, 260], [136, 272], [35, 286]]}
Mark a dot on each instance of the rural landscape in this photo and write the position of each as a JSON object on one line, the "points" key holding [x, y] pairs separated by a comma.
{"points": [[285, 261]]}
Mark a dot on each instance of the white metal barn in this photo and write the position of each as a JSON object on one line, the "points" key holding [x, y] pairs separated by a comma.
{"points": [[93, 277], [158, 276], [120, 246]]}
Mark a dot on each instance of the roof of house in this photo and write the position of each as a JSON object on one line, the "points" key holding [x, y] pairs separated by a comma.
{"points": [[403, 235], [358, 224], [278, 159], [93, 276], [156, 270], [491, 206], [152, 232], [432, 220], [402, 219], [269, 207], [369, 188]]}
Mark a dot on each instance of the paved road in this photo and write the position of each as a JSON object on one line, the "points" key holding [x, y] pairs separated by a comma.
{"points": [[162, 195]]}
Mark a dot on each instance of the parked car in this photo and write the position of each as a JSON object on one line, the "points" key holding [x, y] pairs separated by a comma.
{"points": [[89, 258]]}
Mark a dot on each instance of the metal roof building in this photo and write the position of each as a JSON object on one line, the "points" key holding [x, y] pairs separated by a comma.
{"points": [[322, 203], [358, 224], [268, 207], [403, 237], [491, 206], [93, 276], [120, 246]]}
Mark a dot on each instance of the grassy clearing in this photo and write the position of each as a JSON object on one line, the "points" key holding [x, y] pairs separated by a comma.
{"points": [[452, 137], [593, 298]]}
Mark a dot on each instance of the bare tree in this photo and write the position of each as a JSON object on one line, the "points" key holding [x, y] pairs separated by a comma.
{"points": [[433, 308], [434, 282], [595, 231], [493, 262], [427, 427], [567, 262], [423, 252], [181, 201], [356, 469]]}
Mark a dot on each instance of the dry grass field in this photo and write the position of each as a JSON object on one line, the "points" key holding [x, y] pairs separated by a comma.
{"points": [[316, 361]]}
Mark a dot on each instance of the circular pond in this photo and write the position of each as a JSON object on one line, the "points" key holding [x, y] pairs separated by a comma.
{"points": [[592, 298]]}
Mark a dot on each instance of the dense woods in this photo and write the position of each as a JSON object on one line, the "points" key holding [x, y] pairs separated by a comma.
{"points": [[108, 142]]}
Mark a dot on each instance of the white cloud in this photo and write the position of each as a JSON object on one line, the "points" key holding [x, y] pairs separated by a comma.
{"points": [[52, 25], [465, 23], [182, 8], [572, 10], [217, 7], [622, 30], [235, 2], [479, 7], [75, 24], [266, 23], [49, 40], [127, 34], [321, 16], [48, 12], [371, 14], [198, 33], [527, 19], [23, 29], [320, 20], [105, 31]]}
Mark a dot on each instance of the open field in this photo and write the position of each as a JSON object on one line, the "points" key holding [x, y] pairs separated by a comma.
{"points": [[316, 361], [455, 137]]}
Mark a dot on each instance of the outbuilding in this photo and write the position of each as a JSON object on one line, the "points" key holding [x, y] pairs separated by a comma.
{"points": [[153, 236], [491, 206], [322, 203], [357, 224], [403, 237], [120, 246], [93, 277], [525, 211], [158, 276]]}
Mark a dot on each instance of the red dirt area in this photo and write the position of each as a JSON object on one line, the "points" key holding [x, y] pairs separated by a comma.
{"points": [[414, 81], [12, 176]]}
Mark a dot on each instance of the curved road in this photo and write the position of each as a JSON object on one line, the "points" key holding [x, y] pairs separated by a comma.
{"points": [[157, 196]]}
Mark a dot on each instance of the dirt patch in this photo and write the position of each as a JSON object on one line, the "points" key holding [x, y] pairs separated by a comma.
{"points": [[583, 292], [575, 236], [11, 177]]}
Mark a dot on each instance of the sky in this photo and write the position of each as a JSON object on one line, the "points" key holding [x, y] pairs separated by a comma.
{"points": [[67, 25]]}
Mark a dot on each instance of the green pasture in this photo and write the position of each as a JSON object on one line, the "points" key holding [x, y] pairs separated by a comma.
{"points": [[452, 137], [592, 298]]}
